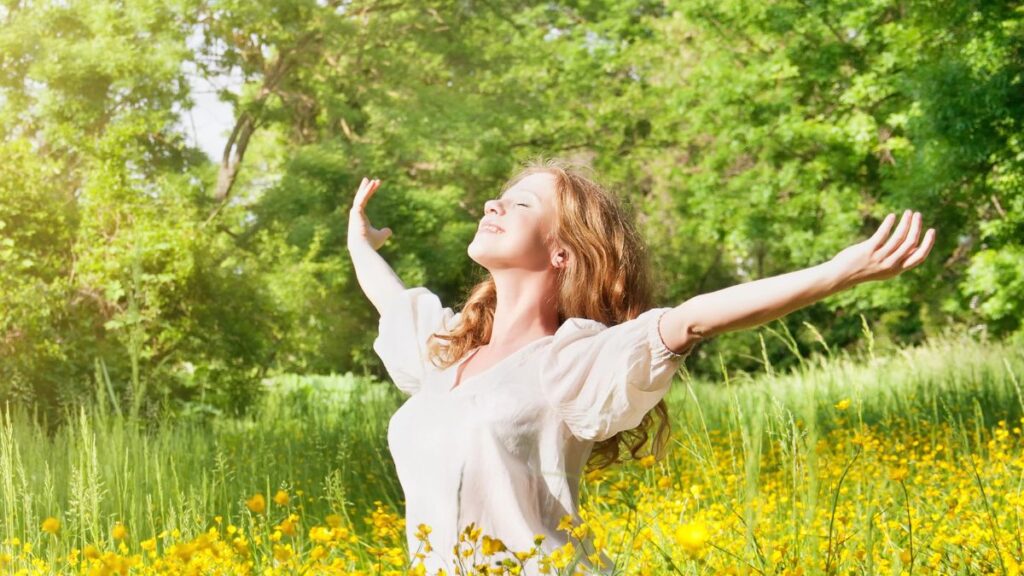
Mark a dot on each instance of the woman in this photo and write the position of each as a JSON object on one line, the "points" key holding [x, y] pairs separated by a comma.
{"points": [[556, 357]]}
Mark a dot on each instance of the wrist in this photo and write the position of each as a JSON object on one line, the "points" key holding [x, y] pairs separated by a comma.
{"points": [[359, 244], [837, 276]]}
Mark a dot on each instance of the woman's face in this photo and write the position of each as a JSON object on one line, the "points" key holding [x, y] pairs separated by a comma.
{"points": [[525, 217]]}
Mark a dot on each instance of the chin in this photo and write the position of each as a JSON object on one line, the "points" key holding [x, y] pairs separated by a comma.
{"points": [[476, 254], [482, 255]]}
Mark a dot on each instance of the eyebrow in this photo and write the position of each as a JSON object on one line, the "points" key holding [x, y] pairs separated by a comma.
{"points": [[537, 198]]}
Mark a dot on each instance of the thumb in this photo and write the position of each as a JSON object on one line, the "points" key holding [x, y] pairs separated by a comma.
{"points": [[386, 231]]}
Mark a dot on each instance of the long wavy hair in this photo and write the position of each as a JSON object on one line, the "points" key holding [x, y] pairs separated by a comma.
{"points": [[604, 245]]}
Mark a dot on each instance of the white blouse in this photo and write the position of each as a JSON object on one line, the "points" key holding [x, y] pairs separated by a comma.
{"points": [[506, 448]]}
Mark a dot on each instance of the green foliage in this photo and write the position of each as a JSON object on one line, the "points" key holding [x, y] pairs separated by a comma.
{"points": [[750, 138], [35, 246]]}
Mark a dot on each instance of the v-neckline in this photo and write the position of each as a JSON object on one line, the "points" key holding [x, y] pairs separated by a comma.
{"points": [[457, 382]]}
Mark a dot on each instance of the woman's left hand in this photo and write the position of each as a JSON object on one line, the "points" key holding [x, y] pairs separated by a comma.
{"points": [[883, 256]]}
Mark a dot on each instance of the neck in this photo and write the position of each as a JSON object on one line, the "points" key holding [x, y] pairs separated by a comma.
{"points": [[527, 307]]}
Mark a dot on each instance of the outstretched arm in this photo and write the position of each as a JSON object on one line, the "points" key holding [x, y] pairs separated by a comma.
{"points": [[753, 303], [378, 281]]}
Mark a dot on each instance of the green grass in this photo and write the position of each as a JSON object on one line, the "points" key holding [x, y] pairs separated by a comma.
{"points": [[323, 435], [950, 379], [326, 436]]}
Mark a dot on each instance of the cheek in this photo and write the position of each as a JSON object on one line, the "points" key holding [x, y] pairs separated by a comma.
{"points": [[537, 233], [536, 222]]}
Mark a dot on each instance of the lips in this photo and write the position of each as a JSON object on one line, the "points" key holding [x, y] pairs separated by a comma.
{"points": [[487, 226]]}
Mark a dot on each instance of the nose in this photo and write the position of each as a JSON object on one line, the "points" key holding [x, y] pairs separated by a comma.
{"points": [[493, 206]]}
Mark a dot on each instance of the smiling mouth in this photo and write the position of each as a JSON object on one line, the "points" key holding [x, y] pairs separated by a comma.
{"points": [[491, 228]]}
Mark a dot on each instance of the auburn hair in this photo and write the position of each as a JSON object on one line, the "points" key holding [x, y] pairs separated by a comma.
{"points": [[604, 245]]}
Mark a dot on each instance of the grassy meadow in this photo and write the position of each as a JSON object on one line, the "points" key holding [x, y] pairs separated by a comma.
{"points": [[903, 462]]}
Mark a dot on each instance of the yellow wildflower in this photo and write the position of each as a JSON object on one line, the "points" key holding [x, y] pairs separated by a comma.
{"points": [[118, 532], [565, 523], [282, 553], [422, 532], [899, 474], [240, 544], [492, 546], [320, 534], [51, 525], [256, 503], [288, 524], [281, 498], [561, 556], [843, 404], [692, 536]]}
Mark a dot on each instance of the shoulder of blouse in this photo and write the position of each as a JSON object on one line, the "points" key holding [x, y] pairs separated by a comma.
{"points": [[646, 324]]}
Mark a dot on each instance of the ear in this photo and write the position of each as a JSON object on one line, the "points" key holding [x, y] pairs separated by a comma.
{"points": [[560, 258]]}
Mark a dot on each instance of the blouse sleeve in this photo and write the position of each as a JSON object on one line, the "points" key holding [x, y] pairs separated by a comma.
{"points": [[603, 380], [406, 323]]}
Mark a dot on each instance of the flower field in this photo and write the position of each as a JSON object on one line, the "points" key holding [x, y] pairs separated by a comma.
{"points": [[906, 463]]}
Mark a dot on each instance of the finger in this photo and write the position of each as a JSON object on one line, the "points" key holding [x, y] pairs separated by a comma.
{"points": [[374, 184], [908, 244], [366, 191], [922, 251], [883, 230], [897, 236], [360, 199]]}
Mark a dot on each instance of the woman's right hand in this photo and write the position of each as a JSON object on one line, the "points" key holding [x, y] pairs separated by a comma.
{"points": [[360, 231]]}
